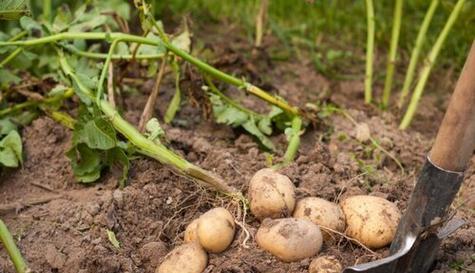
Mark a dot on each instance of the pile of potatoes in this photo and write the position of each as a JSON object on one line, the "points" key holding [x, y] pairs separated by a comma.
{"points": [[291, 230], [212, 232]]}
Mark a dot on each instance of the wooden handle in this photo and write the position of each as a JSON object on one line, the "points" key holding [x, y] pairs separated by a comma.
{"points": [[455, 141]]}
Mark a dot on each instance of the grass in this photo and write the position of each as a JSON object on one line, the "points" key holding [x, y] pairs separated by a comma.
{"points": [[326, 25]]}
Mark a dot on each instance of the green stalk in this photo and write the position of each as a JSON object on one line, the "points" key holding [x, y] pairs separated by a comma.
{"points": [[416, 51], [392, 52], [254, 90], [94, 55], [17, 51], [11, 56], [148, 147], [294, 141], [369, 52], [100, 85], [428, 64], [12, 250], [47, 10]]}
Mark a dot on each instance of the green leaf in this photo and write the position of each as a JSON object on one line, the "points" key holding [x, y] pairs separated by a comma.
{"points": [[227, 114], [112, 239], [265, 125], [13, 9], [6, 126], [85, 162], [27, 23], [97, 134], [11, 150], [174, 105], [251, 127], [7, 78]]}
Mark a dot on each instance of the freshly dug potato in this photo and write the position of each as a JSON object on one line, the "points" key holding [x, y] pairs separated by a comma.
{"points": [[187, 258], [321, 212], [325, 264], [215, 230], [191, 232], [371, 220], [271, 195], [289, 239]]}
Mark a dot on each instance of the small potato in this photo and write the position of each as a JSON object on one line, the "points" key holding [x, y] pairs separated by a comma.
{"points": [[215, 230], [187, 258], [289, 239], [371, 220], [321, 212], [191, 232], [325, 264], [271, 195]]}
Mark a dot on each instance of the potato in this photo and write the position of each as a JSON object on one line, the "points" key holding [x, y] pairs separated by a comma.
{"points": [[289, 239], [191, 232], [325, 264], [215, 230], [187, 258], [271, 195], [321, 212], [371, 220]]}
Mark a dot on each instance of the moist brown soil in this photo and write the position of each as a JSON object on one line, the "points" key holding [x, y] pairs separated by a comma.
{"points": [[60, 225]]}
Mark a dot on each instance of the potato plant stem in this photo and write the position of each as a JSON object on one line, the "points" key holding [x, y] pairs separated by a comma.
{"points": [[294, 141], [254, 90], [416, 51], [94, 55], [146, 146], [12, 250], [392, 52], [428, 64], [369, 51]]}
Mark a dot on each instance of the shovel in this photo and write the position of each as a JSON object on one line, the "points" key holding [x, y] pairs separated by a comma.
{"points": [[425, 222]]}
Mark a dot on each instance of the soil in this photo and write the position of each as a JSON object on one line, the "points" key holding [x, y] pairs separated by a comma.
{"points": [[60, 225]]}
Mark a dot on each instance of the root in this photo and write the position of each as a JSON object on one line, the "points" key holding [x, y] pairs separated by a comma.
{"points": [[242, 224], [349, 239]]}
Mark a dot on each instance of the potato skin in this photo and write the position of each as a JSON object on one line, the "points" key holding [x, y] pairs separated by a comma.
{"points": [[191, 232], [187, 258], [289, 239], [215, 230], [322, 213], [325, 264], [371, 220], [271, 195]]}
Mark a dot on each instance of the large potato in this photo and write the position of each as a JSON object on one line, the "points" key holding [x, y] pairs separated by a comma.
{"points": [[325, 264], [191, 232], [215, 230], [271, 195], [289, 239], [371, 220], [321, 212], [187, 258]]}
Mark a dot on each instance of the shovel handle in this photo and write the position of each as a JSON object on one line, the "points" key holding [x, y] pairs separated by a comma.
{"points": [[455, 141]]}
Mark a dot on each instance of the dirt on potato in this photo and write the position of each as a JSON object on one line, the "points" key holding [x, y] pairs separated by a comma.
{"points": [[61, 225]]}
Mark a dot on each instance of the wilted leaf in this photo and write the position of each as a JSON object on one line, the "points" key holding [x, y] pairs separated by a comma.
{"points": [[112, 239], [183, 41], [153, 130], [97, 134]]}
